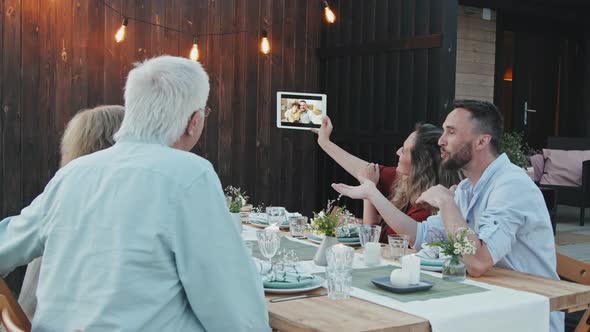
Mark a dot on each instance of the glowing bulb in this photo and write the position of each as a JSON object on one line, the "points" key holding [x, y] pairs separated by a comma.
{"points": [[264, 44], [120, 35], [195, 50], [330, 17]]}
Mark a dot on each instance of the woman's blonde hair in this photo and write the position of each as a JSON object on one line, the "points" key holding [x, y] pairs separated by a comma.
{"points": [[89, 131], [426, 170]]}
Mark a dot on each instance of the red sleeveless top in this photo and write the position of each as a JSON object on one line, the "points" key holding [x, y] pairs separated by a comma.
{"points": [[387, 177]]}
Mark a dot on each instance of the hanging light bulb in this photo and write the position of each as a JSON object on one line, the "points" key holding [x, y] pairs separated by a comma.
{"points": [[264, 44], [120, 35], [330, 17], [195, 50]]}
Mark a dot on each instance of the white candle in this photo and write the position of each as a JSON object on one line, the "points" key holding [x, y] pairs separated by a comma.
{"points": [[372, 253], [399, 278], [411, 264]]}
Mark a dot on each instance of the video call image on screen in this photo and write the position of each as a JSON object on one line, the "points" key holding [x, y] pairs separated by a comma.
{"points": [[301, 111]]}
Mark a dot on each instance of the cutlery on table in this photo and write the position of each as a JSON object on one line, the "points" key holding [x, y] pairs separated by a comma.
{"points": [[289, 298]]}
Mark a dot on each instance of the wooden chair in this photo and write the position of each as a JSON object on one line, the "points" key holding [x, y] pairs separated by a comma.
{"points": [[12, 316], [576, 271]]}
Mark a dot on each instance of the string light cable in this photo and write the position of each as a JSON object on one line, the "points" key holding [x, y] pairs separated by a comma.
{"points": [[194, 52]]}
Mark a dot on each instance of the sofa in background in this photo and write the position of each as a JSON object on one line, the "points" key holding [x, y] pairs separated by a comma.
{"points": [[565, 167]]}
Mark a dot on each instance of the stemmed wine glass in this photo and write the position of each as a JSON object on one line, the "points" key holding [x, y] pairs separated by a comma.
{"points": [[269, 243]]}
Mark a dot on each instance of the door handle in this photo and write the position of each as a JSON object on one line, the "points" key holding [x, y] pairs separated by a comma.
{"points": [[527, 111]]}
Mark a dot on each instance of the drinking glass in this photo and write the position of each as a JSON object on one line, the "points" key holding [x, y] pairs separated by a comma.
{"points": [[269, 243], [369, 233], [339, 271], [398, 245], [297, 226], [276, 215]]}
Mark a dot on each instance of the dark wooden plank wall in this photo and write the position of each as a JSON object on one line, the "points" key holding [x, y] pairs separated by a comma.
{"points": [[60, 56], [385, 66]]}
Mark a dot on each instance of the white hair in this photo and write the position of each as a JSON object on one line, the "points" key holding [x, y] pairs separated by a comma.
{"points": [[161, 94]]}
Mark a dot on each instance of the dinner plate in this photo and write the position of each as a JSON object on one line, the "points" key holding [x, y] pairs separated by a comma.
{"points": [[350, 241], [287, 285], [384, 283], [317, 282]]}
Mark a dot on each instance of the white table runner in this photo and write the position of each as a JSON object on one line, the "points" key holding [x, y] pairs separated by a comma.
{"points": [[499, 309]]}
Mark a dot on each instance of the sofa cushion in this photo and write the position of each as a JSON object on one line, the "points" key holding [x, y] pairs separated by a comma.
{"points": [[563, 167], [538, 163]]}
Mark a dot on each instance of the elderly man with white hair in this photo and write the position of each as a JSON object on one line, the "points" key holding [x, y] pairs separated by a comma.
{"points": [[137, 237]]}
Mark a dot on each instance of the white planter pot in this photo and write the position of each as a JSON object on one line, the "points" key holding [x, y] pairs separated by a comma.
{"points": [[237, 221], [320, 255]]}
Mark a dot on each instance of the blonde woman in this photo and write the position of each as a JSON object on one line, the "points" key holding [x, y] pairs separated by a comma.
{"points": [[89, 131]]}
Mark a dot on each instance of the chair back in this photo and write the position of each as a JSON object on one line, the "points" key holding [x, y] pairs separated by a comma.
{"points": [[568, 143], [573, 269], [6, 317], [12, 315]]}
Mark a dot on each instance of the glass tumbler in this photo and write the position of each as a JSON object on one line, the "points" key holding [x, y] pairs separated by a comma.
{"points": [[369, 233], [297, 226], [339, 271], [398, 245]]}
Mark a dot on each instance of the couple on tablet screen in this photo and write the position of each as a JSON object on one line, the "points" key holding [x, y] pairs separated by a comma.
{"points": [[299, 112]]}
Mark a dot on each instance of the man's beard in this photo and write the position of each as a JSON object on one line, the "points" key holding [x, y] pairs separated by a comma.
{"points": [[457, 160]]}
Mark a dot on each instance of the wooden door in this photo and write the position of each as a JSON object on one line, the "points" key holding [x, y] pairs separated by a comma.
{"points": [[535, 86]]}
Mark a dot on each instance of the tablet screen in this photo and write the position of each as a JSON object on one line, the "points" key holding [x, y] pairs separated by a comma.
{"points": [[300, 110]]}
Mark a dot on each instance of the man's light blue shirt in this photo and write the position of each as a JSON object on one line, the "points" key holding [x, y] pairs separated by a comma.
{"points": [[507, 211], [136, 237]]}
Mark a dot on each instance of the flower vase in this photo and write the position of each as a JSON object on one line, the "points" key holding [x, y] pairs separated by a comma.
{"points": [[453, 269], [320, 255], [237, 221]]}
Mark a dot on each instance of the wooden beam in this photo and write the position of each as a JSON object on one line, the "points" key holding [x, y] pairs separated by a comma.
{"points": [[380, 47]]}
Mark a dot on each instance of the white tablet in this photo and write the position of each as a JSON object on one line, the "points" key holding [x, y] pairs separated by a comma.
{"points": [[298, 110]]}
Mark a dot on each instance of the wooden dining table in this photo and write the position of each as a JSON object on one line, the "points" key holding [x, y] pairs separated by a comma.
{"points": [[353, 314]]}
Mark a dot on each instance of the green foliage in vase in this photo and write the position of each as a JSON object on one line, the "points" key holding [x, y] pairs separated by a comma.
{"points": [[329, 220], [235, 199]]}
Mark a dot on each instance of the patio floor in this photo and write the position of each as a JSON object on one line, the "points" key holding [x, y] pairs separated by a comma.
{"points": [[573, 240]]}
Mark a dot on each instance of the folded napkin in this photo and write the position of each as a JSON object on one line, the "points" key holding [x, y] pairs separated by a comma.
{"points": [[261, 218], [283, 276], [264, 267], [431, 256], [290, 277], [320, 237], [348, 231]]}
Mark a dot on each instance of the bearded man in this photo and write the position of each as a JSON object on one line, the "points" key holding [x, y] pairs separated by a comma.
{"points": [[497, 201]]}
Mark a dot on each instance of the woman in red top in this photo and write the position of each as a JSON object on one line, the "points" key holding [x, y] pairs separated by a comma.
{"points": [[418, 169]]}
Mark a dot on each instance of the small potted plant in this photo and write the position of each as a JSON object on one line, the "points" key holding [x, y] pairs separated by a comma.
{"points": [[235, 199], [327, 222], [456, 245], [515, 147]]}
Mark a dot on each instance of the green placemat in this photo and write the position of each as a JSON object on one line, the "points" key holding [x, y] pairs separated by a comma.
{"points": [[361, 278], [303, 251]]}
